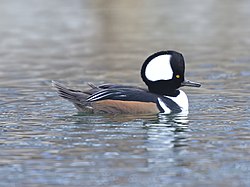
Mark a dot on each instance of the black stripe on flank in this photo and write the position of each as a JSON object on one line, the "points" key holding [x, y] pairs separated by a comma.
{"points": [[173, 106], [160, 108]]}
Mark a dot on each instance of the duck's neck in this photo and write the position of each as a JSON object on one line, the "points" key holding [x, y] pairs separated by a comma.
{"points": [[164, 91]]}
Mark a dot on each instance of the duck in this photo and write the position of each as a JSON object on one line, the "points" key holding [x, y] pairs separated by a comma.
{"points": [[163, 73]]}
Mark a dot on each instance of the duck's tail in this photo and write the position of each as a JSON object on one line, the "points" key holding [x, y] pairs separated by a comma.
{"points": [[78, 98]]}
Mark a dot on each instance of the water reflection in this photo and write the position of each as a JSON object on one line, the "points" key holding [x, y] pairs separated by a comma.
{"points": [[157, 132], [145, 144], [164, 139], [168, 132]]}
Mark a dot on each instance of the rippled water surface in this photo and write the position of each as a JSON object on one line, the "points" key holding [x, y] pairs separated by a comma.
{"points": [[45, 142]]}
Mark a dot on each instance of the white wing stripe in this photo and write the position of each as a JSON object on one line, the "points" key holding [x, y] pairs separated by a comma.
{"points": [[98, 94], [95, 98]]}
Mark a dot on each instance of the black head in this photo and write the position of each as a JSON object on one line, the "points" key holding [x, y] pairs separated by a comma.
{"points": [[163, 73]]}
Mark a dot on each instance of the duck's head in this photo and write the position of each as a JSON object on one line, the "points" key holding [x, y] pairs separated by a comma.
{"points": [[164, 72]]}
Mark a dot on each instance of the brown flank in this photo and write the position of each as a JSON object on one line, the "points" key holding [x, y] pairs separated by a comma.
{"points": [[124, 107]]}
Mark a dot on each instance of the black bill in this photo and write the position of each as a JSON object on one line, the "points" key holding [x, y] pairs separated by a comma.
{"points": [[190, 83]]}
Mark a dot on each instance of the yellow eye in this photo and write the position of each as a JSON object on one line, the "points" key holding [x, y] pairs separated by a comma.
{"points": [[177, 76]]}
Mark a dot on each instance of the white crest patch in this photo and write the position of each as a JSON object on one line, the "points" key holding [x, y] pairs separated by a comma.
{"points": [[159, 68]]}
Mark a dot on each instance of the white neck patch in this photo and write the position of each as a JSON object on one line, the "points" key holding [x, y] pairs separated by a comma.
{"points": [[159, 68]]}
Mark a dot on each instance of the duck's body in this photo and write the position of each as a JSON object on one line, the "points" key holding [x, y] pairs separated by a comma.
{"points": [[110, 98], [163, 72]]}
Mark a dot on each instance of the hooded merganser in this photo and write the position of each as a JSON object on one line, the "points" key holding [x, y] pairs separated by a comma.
{"points": [[163, 73]]}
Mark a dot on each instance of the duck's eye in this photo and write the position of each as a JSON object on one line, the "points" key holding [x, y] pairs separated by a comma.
{"points": [[177, 76]]}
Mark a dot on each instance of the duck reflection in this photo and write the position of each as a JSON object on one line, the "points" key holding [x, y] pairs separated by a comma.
{"points": [[167, 140], [149, 143], [159, 132], [168, 131]]}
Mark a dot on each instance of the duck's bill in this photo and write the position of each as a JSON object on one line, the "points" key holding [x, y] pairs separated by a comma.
{"points": [[190, 83]]}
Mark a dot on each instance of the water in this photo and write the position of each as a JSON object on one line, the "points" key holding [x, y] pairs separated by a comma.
{"points": [[45, 142]]}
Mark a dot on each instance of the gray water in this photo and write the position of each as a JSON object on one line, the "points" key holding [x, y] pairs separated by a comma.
{"points": [[45, 142]]}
